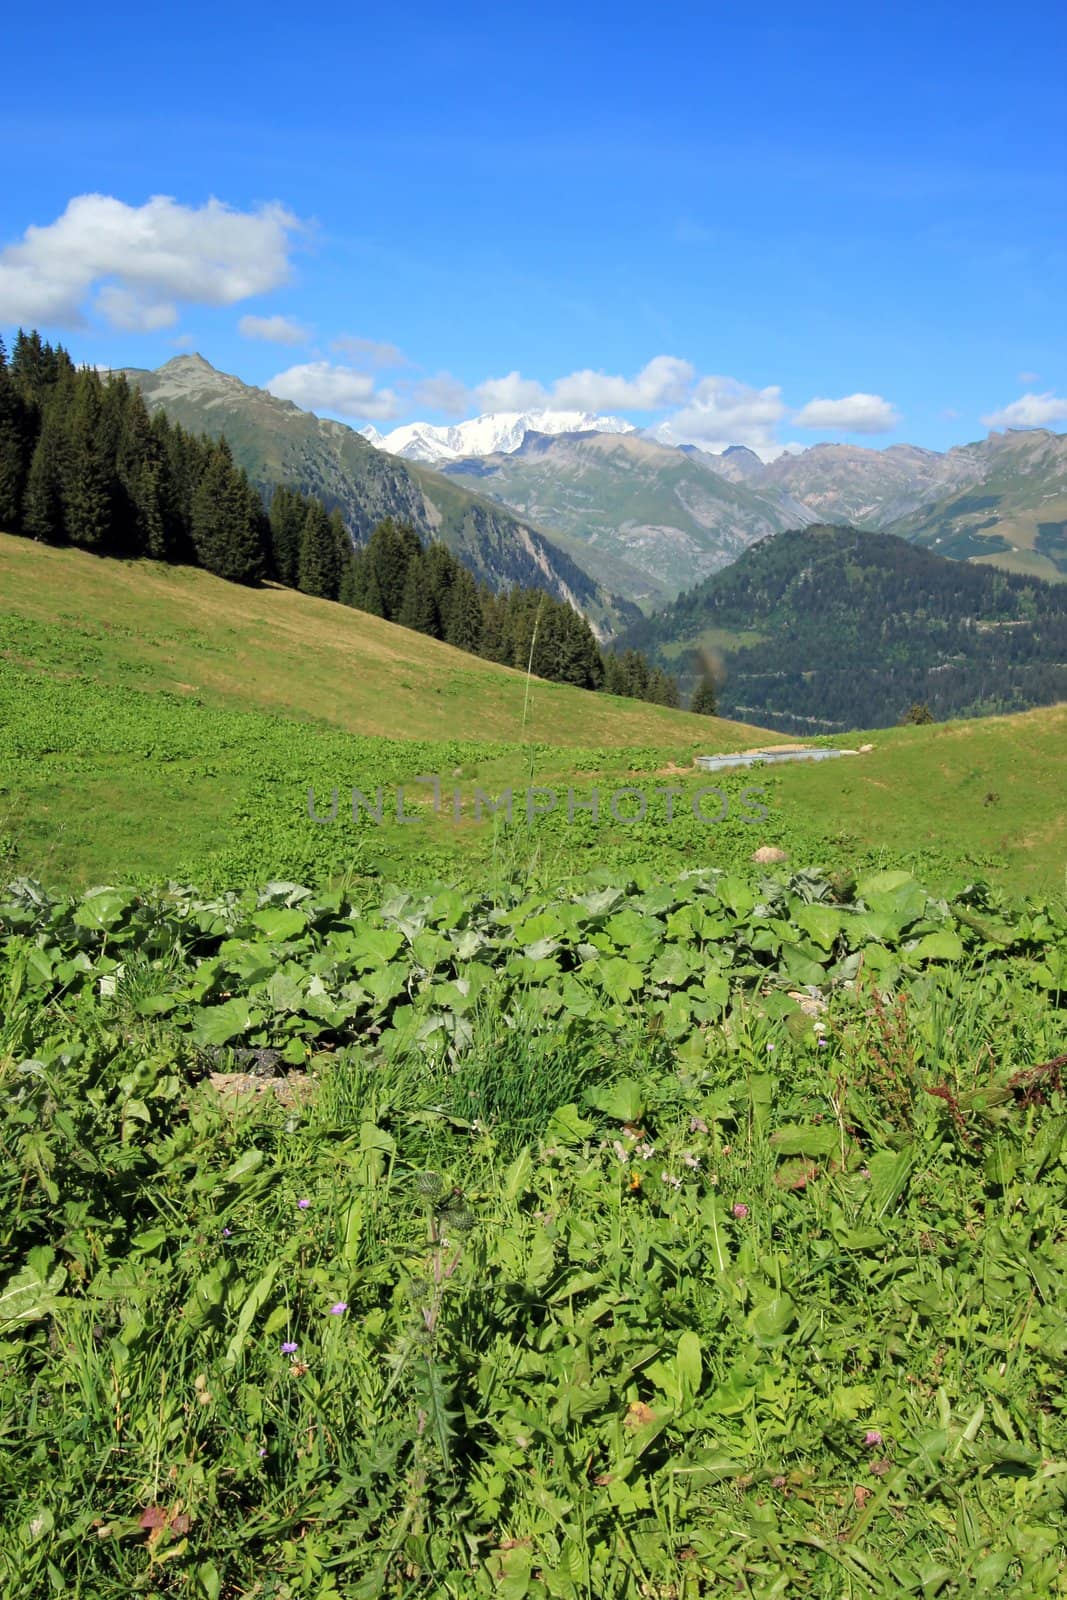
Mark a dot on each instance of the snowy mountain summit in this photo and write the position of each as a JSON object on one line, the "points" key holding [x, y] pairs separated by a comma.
{"points": [[499, 432]]}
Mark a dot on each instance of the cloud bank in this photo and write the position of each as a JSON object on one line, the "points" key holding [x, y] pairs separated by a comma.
{"points": [[1030, 411], [345, 391], [274, 330], [135, 265]]}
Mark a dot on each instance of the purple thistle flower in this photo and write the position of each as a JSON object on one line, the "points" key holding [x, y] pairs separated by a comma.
{"points": [[872, 1437], [289, 1348], [339, 1309], [262, 1452], [770, 1047], [226, 1232], [302, 1205], [740, 1211]]}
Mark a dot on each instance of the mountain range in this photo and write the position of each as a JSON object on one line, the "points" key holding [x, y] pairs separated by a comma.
{"points": [[1002, 499], [486, 435], [616, 522], [651, 519], [277, 443]]}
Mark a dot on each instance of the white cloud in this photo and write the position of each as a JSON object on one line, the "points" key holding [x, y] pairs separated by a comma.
{"points": [[369, 354], [143, 261], [1029, 411], [319, 386], [275, 330], [133, 312], [854, 413], [513, 393], [443, 392], [721, 411], [663, 381]]}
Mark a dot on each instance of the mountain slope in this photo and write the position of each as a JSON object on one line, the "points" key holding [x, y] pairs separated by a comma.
{"points": [[1002, 499], [1012, 512], [277, 443], [650, 518], [833, 627]]}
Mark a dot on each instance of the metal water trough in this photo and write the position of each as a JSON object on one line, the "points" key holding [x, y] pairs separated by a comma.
{"points": [[753, 758]]}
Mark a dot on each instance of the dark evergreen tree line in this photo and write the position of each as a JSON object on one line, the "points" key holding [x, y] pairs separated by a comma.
{"points": [[82, 462]]}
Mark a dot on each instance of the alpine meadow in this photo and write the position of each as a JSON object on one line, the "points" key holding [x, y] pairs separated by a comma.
{"points": [[533, 854]]}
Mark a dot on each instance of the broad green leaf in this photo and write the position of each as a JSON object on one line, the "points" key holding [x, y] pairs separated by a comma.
{"points": [[944, 945], [217, 1025], [623, 1101], [890, 1170], [770, 1320], [100, 909], [253, 1303], [690, 1365], [279, 923], [800, 1139]]}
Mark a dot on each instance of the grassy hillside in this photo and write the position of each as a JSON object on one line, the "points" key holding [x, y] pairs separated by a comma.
{"points": [[157, 722], [150, 626]]}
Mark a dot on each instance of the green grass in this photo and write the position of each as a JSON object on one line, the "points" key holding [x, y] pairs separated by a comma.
{"points": [[144, 625], [158, 723], [658, 1308], [645, 1230]]}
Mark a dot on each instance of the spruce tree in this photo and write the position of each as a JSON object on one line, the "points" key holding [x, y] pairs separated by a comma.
{"points": [[705, 701], [462, 617], [616, 680], [225, 529], [319, 572], [391, 549], [288, 513], [42, 509], [418, 609], [14, 451], [662, 689], [495, 642], [88, 468]]}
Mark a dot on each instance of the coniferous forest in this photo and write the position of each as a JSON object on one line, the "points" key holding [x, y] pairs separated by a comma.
{"points": [[83, 462]]}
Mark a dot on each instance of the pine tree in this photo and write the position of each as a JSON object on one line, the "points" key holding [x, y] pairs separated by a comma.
{"points": [[418, 609], [462, 617], [705, 700], [616, 680], [225, 529], [391, 549], [42, 509], [319, 572], [288, 513], [14, 451], [88, 471]]}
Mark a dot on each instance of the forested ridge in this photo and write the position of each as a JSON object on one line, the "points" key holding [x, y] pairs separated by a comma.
{"points": [[83, 462], [854, 627]]}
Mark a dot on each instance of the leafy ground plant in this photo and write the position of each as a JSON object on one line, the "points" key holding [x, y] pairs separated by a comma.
{"points": [[659, 1238]]}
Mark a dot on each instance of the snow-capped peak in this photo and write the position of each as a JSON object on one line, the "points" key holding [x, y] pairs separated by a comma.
{"points": [[499, 431]]}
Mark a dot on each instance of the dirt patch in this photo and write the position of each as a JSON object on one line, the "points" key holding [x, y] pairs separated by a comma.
{"points": [[291, 1089]]}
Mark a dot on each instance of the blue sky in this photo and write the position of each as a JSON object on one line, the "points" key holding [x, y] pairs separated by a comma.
{"points": [[759, 224]]}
